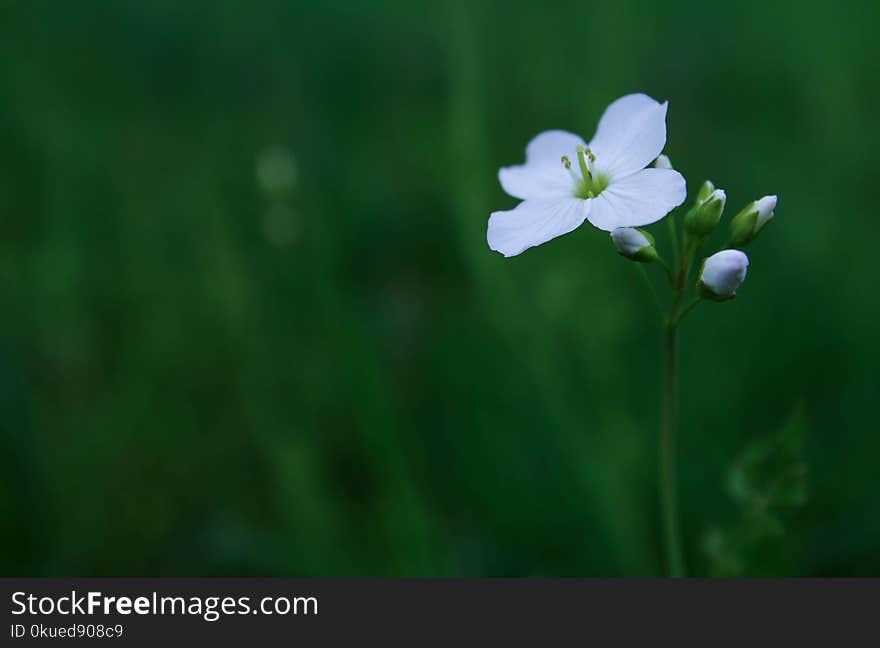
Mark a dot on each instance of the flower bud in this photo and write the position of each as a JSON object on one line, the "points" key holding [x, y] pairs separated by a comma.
{"points": [[746, 225], [634, 244], [704, 191], [721, 275], [705, 215], [662, 162]]}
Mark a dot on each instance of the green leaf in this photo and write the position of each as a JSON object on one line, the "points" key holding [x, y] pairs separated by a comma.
{"points": [[768, 483]]}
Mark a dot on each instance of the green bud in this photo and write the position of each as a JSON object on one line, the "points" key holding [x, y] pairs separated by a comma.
{"points": [[705, 215], [746, 225], [646, 255], [742, 227], [705, 191]]}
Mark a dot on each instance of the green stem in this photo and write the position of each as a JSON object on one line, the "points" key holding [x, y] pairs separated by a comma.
{"points": [[669, 430], [668, 495], [687, 309], [667, 270]]}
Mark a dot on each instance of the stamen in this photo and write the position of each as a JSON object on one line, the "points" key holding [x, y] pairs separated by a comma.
{"points": [[585, 171], [566, 161]]}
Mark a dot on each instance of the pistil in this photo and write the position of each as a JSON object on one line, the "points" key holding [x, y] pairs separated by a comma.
{"points": [[588, 185], [585, 171]]}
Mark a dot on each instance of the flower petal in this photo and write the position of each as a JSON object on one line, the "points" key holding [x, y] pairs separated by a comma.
{"points": [[534, 222], [551, 145], [631, 133], [543, 175], [641, 199]]}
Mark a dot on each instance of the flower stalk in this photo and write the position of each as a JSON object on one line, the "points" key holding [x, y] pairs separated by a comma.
{"points": [[666, 455], [675, 564]]}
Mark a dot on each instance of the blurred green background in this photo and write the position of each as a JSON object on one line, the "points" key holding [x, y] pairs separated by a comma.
{"points": [[249, 323]]}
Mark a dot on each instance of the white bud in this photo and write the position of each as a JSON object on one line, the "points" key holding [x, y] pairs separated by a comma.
{"points": [[765, 207], [722, 274], [747, 224], [662, 162], [629, 241]]}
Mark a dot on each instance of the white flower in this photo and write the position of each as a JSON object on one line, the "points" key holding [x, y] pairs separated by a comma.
{"points": [[629, 241], [722, 274], [565, 181], [662, 162]]}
